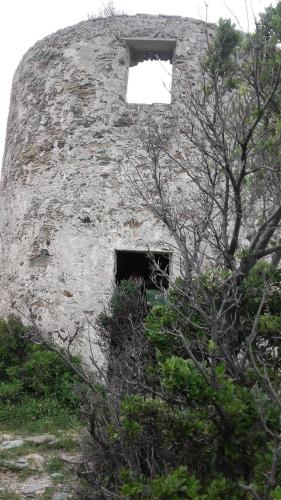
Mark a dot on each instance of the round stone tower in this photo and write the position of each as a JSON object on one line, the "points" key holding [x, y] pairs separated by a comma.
{"points": [[66, 212]]}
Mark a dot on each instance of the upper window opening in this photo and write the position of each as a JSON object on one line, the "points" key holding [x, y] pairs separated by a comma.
{"points": [[150, 71]]}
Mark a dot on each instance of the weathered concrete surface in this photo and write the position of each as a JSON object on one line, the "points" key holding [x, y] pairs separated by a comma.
{"points": [[69, 133]]}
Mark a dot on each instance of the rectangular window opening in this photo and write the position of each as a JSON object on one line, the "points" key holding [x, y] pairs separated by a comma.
{"points": [[150, 71], [153, 269]]}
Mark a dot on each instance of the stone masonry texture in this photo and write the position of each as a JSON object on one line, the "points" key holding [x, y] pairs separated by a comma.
{"points": [[65, 206]]}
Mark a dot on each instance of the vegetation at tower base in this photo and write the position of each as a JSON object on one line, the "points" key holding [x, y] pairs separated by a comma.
{"points": [[37, 389], [178, 417]]}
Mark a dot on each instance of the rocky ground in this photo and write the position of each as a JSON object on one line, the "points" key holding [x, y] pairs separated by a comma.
{"points": [[39, 466]]}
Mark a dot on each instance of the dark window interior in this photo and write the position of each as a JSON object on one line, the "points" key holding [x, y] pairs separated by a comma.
{"points": [[140, 265]]}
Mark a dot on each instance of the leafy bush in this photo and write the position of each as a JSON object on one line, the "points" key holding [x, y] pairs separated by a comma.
{"points": [[178, 421], [35, 381], [262, 277]]}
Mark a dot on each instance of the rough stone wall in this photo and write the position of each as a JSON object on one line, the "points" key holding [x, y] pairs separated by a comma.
{"points": [[69, 130]]}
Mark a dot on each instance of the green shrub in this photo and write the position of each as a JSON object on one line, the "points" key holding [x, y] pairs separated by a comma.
{"points": [[184, 420], [35, 382], [263, 275], [31, 369], [13, 349]]}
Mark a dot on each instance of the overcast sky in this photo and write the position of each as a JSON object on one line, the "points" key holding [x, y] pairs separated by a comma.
{"points": [[23, 22]]}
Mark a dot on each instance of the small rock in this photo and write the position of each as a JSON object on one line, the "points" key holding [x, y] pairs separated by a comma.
{"points": [[33, 488], [56, 474], [13, 465], [42, 439], [60, 496], [21, 462], [71, 459], [35, 460], [6, 437], [15, 443]]}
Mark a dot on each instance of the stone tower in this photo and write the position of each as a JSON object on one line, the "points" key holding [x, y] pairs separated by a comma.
{"points": [[67, 217]]}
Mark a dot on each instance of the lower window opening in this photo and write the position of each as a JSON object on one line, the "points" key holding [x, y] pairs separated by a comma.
{"points": [[152, 270]]}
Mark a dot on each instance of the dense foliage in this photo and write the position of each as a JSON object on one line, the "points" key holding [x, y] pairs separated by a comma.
{"points": [[184, 425], [34, 381]]}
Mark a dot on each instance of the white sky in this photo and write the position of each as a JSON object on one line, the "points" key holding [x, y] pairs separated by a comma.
{"points": [[23, 22], [149, 82]]}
